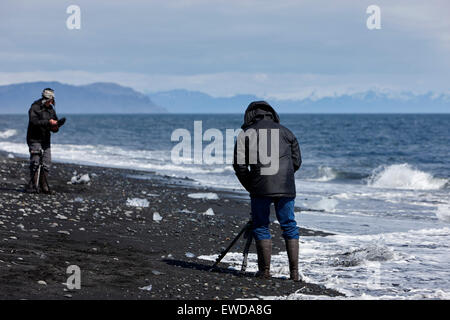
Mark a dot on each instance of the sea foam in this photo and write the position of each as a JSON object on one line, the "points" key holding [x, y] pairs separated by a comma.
{"points": [[443, 213], [404, 176], [7, 133], [326, 173], [398, 265], [326, 204]]}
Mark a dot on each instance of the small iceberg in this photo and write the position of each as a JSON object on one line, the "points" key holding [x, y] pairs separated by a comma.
{"points": [[147, 288], [80, 179], [208, 212], [137, 202], [186, 211], [205, 196], [157, 217], [78, 199]]}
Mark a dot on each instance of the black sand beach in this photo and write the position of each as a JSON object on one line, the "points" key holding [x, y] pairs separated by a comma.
{"points": [[119, 248]]}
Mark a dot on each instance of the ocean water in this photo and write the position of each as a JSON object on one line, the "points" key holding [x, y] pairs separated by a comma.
{"points": [[380, 183]]}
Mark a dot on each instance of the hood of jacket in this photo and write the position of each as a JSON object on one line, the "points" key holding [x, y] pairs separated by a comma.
{"points": [[258, 110], [41, 102]]}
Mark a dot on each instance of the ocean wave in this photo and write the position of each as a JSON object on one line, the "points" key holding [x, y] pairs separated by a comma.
{"points": [[443, 212], [325, 204], [355, 257], [116, 157], [326, 173], [7, 133], [404, 176]]}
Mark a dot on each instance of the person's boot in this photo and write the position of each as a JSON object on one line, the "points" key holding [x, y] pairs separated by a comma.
{"points": [[292, 252], [44, 182], [264, 251], [32, 186]]}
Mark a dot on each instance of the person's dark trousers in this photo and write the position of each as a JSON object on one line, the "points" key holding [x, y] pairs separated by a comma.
{"points": [[284, 209], [35, 158]]}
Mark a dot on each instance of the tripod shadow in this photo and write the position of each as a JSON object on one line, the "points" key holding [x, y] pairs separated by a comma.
{"points": [[203, 267], [21, 189]]}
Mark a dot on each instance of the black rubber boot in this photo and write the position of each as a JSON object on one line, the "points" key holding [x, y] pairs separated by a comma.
{"points": [[292, 252], [264, 251], [44, 182], [32, 186]]}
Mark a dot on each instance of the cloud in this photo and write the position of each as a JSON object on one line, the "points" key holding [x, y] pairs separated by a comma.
{"points": [[199, 36], [426, 20], [285, 48]]}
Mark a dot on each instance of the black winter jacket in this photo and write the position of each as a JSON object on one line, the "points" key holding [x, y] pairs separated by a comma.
{"points": [[260, 115], [38, 124]]}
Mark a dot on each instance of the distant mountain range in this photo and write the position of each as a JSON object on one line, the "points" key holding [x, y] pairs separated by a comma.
{"points": [[183, 101], [112, 98], [91, 98]]}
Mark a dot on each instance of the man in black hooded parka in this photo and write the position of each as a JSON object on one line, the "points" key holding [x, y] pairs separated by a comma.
{"points": [[42, 121], [277, 187]]}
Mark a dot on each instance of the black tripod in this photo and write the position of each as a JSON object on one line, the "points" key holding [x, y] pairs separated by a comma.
{"points": [[247, 232]]}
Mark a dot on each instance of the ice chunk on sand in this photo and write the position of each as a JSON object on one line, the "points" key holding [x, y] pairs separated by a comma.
{"points": [[186, 211], [190, 255], [80, 179], [206, 196], [147, 288], [208, 212], [137, 202], [156, 217]]}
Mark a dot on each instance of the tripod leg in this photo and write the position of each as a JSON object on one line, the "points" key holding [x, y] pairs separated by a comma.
{"points": [[246, 250], [38, 189], [224, 252]]}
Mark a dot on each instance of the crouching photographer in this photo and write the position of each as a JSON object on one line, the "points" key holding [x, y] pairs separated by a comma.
{"points": [[42, 122], [266, 156]]}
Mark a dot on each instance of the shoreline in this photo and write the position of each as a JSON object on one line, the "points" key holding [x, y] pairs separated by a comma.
{"points": [[120, 249]]}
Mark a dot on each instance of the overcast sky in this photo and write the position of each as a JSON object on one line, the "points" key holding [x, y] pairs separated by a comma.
{"points": [[283, 48]]}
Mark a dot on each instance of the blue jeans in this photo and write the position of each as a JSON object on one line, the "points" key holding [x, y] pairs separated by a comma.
{"points": [[284, 208]]}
